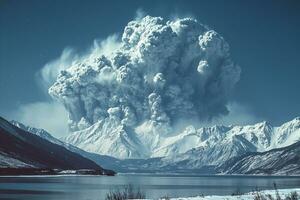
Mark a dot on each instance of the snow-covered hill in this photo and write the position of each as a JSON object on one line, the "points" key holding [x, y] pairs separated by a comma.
{"points": [[215, 144]]}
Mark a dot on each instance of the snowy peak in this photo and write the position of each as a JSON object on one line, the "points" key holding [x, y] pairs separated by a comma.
{"points": [[39, 132], [260, 134], [288, 133], [108, 137], [291, 125], [190, 138]]}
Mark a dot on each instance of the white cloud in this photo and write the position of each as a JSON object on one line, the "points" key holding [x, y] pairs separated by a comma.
{"points": [[69, 56], [48, 74], [104, 47], [50, 116]]}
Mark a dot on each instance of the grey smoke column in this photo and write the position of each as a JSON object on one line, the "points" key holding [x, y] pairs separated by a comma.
{"points": [[163, 72]]}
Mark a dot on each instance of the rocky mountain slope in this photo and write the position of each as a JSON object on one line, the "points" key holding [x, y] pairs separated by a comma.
{"points": [[22, 149], [282, 161], [106, 162]]}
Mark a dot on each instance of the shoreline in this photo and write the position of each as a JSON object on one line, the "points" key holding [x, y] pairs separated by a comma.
{"points": [[33, 172], [5, 172], [247, 196], [210, 175]]}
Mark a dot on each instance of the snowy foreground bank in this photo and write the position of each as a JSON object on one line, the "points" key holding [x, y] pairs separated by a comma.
{"points": [[249, 196]]}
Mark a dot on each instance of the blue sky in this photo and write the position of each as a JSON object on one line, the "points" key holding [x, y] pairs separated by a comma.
{"points": [[263, 36]]}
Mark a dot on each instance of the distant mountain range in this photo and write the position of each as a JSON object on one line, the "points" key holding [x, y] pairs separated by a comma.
{"points": [[218, 149], [24, 152], [219, 142]]}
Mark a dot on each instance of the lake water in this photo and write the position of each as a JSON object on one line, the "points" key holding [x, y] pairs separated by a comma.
{"points": [[154, 186]]}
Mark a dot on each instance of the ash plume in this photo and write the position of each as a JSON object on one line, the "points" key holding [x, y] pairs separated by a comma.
{"points": [[162, 72]]}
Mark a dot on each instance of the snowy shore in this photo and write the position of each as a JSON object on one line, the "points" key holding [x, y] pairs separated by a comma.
{"points": [[247, 196]]}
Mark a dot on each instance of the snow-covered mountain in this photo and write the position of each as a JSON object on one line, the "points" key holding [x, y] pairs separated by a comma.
{"points": [[109, 138], [106, 162], [41, 133], [219, 142], [192, 150], [283, 161]]}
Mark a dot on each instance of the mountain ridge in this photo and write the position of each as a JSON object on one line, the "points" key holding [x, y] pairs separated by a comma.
{"points": [[106, 162], [263, 136], [22, 151], [203, 159], [281, 161]]}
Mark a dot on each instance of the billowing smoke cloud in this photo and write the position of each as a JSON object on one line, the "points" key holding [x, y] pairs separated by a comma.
{"points": [[160, 73], [49, 72], [69, 56]]}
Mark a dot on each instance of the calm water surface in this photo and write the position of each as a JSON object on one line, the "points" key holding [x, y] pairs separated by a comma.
{"points": [[154, 186]]}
